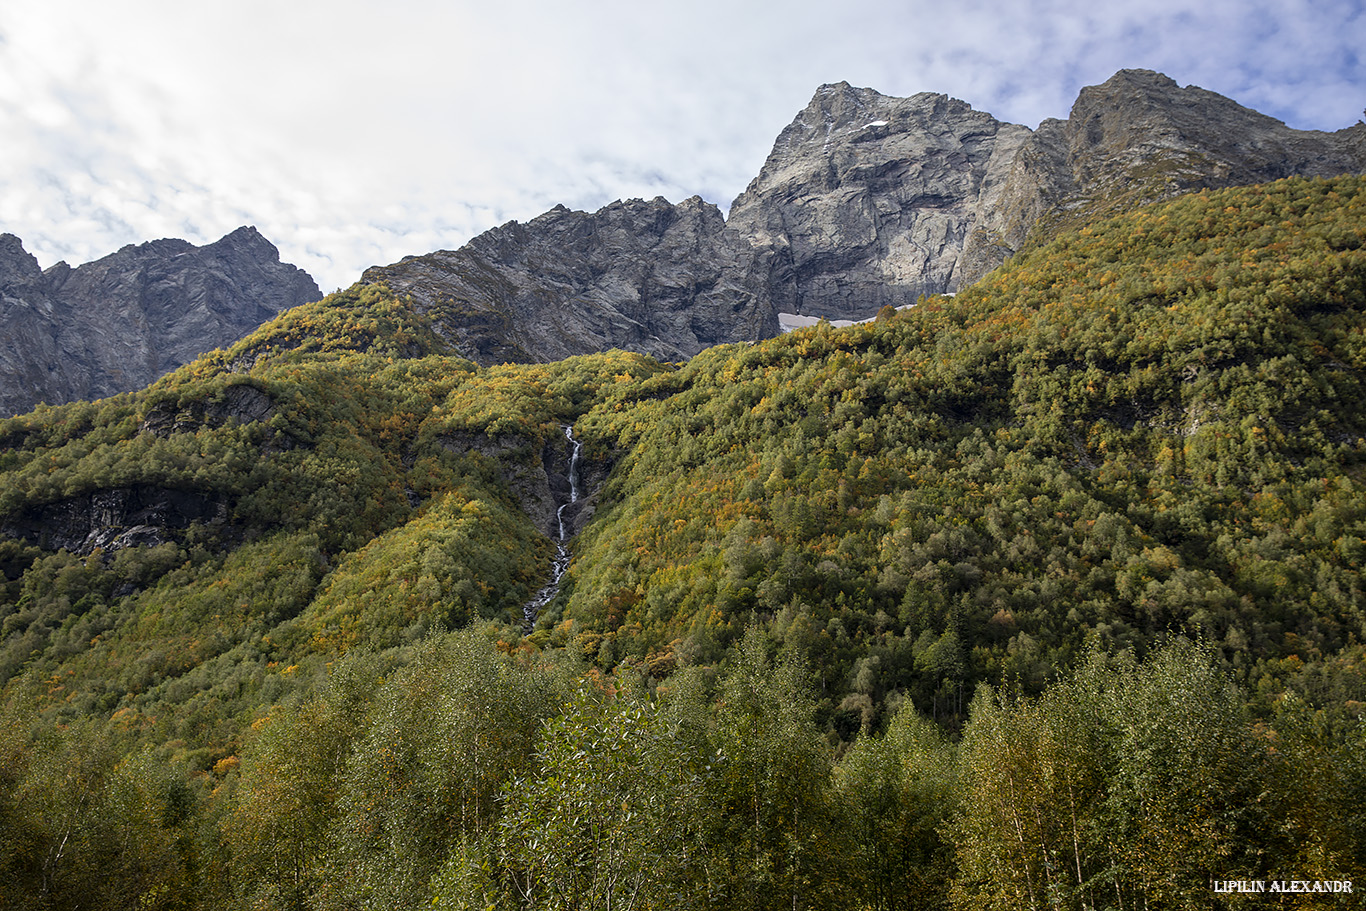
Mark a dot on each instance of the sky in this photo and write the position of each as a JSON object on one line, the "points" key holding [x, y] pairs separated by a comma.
{"points": [[355, 133]]}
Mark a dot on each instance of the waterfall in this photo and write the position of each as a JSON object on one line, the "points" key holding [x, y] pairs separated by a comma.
{"points": [[561, 561], [573, 481]]}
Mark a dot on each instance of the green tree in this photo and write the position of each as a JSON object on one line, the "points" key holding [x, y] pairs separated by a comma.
{"points": [[1125, 783], [592, 827], [1319, 783], [771, 837], [286, 798], [897, 792], [444, 736]]}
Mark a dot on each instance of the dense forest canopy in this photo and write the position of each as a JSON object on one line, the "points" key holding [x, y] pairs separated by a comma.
{"points": [[1047, 594]]}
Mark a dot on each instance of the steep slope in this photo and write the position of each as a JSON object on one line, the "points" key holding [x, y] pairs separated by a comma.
{"points": [[1153, 422], [1156, 423], [33, 368], [120, 322], [222, 598]]}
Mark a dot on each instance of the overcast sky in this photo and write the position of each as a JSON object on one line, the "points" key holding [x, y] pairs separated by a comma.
{"points": [[354, 133]]}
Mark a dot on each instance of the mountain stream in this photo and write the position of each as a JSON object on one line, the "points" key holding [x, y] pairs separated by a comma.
{"points": [[561, 561]]}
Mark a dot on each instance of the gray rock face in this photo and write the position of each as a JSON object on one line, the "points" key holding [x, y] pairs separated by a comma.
{"points": [[666, 280], [536, 474], [120, 322], [866, 200], [32, 367], [1139, 138], [240, 403], [117, 518]]}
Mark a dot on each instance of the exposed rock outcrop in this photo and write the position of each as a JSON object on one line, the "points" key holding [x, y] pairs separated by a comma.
{"points": [[866, 201], [33, 368], [117, 518], [241, 403], [120, 322], [652, 277], [535, 473]]}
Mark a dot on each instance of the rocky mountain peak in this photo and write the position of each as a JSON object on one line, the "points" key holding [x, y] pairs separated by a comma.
{"points": [[843, 122], [12, 248], [18, 268], [1137, 138], [1142, 114], [866, 200], [248, 236], [834, 107], [56, 275], [118, 323]]}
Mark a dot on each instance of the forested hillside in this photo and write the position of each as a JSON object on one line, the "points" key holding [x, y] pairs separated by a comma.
{"points": [[1045, 595]]}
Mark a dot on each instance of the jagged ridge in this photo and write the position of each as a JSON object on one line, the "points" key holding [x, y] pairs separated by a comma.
{"points": [[865, 201]]}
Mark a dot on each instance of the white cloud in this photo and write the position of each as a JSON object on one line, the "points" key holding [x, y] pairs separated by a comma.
{"points": [[355, 133]]}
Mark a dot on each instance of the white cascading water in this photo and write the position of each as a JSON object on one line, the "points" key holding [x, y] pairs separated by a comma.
{"points": [[561, 563]]}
